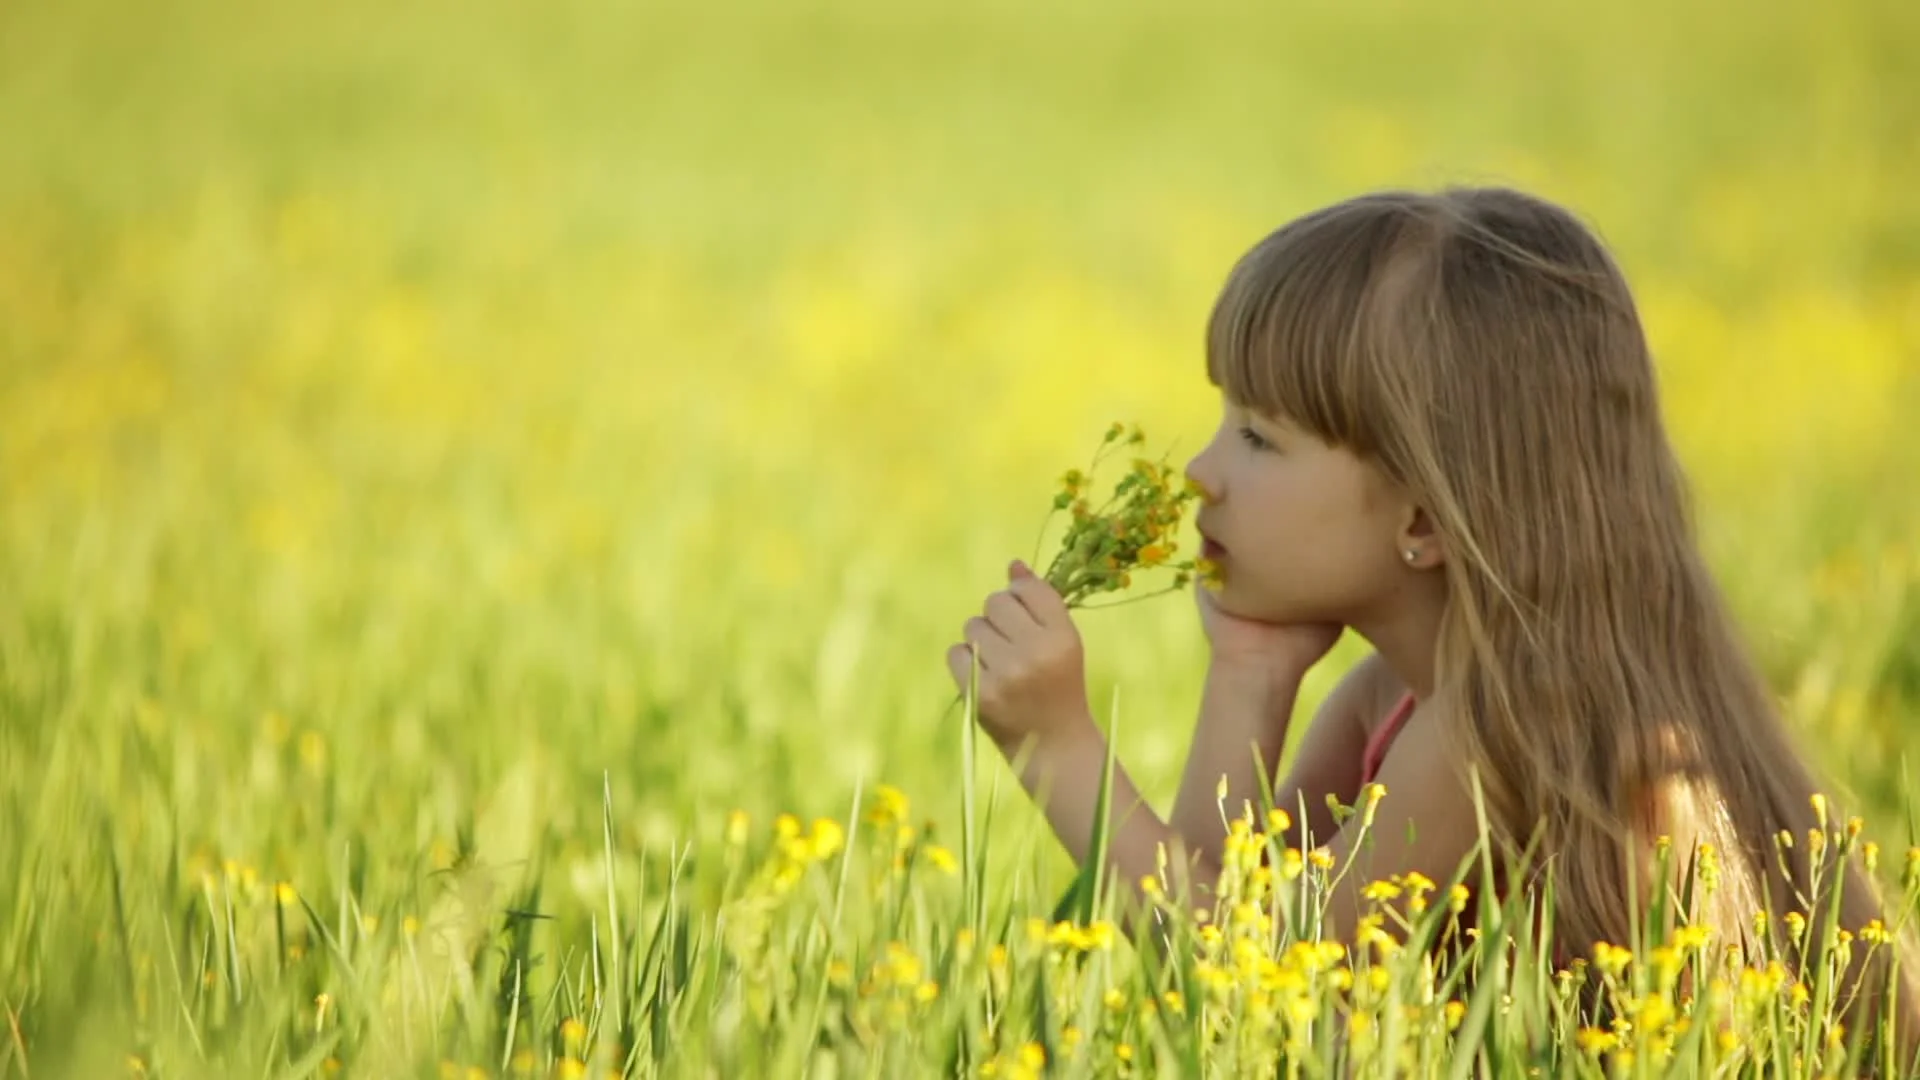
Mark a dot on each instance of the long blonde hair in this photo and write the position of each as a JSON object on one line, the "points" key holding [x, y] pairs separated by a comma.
{"points": [[1482, 349]]}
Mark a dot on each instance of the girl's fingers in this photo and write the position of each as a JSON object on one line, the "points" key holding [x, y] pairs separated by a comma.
{"points": [[990, 642], [960, 666], [1039, 597], [1007, 614]]}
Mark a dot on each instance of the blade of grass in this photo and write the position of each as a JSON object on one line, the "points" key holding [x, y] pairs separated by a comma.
{"points": [[613, 983], [1081, 899], [969, 838]]}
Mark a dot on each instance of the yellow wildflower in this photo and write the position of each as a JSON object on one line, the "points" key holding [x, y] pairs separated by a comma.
{"points": [[1610, 959], [1596, 1041], [1379, 891], [1796, 924], [902, 965], [1693, 938], [827, 838], [942, 859], [889, 806], [1291, 864]]}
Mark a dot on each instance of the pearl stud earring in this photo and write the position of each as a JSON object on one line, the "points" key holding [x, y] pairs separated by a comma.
{"points": [[1412, 554]]}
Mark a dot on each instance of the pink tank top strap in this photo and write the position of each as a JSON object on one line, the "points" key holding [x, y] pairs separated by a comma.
{"points": [[1382, 737]]}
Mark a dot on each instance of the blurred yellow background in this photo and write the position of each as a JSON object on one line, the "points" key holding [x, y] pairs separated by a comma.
{"points": [[400, 404]]}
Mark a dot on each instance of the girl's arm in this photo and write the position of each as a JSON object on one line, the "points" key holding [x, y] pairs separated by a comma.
{"points": [[1243, 714], [1032, 701]]}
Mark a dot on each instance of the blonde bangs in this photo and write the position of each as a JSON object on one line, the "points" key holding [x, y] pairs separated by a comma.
{"points": [[1298, 331]]}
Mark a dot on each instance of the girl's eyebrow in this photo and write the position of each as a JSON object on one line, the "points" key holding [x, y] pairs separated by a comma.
{"points": [[1276, 423]]}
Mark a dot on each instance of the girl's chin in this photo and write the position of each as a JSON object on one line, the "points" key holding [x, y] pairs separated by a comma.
{"points": [[1237, 603], [1252, 608]]}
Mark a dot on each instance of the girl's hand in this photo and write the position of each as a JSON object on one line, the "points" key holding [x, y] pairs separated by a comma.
{"points": [[1272, 649], [1032, 666]]}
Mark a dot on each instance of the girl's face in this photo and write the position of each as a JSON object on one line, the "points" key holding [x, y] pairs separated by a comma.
{"points": [[1302, 531]]}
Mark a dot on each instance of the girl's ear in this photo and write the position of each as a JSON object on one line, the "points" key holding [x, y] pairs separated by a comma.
{"points": [[1421, 546]]}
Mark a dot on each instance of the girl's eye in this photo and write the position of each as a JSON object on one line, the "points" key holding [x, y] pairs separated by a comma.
{"points": [[1253, 439]]}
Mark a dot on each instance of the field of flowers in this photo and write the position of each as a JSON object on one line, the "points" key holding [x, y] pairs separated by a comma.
{"points": [[485, 491]]}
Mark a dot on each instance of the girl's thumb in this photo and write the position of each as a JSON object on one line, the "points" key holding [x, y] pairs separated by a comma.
{"points": [[1016, 568]]}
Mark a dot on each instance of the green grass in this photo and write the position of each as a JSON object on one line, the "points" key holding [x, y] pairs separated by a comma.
{"points": [[452, 457]]}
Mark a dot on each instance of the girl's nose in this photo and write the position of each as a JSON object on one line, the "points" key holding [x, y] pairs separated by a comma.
{"points": [[1197, 474]]}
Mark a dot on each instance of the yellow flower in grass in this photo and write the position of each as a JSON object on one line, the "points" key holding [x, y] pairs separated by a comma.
{"points": [[1796, 924], [1692, 938], [902, 964], [1291, 864], [1611, 959], [826, 839], [1371, 933], [941, 859], [1596, 1041], [1380, 891], [888, 806], [1418, 885]]}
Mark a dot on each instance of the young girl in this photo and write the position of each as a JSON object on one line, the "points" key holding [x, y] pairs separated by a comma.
{"points": [[1440, 429]]}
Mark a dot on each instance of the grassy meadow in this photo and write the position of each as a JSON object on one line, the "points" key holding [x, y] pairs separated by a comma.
{"points": [[485, 490]]}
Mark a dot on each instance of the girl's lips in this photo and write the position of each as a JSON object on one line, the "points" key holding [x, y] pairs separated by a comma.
{"points": [[1209, 549]]}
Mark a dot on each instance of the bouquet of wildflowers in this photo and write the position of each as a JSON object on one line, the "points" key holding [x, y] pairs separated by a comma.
{"points": [[1133, 529]]}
